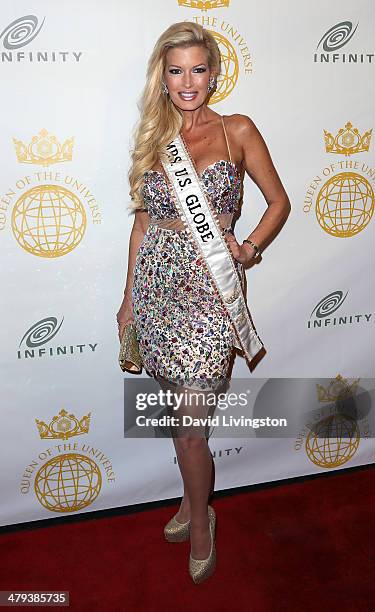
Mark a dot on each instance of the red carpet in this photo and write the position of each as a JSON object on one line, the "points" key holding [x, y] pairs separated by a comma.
{"points": [[299, 546]]}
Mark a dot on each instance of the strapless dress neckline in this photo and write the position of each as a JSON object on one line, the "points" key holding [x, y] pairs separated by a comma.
{"points": [[219, 161]]}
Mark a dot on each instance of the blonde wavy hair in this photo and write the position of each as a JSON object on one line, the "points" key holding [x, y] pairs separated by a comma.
{"points": [[160, 120]]}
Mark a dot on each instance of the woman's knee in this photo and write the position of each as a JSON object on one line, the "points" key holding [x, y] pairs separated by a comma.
{"points": [[191, 442]]}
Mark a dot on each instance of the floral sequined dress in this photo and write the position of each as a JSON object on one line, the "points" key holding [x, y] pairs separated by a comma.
{"points": [[184, 331]]}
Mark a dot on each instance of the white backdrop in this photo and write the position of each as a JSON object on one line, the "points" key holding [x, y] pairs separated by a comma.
{"points": [[76, 71]]}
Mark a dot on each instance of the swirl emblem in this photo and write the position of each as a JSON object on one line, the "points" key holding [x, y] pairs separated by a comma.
{"points": [[41, 332], [337, 36], [329, 304], [20, 32]]}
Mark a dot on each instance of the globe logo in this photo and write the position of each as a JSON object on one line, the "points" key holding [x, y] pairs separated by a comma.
{"points": [[345, 205], [48, 221], [227, 80], [333, 441], [68, 483]]}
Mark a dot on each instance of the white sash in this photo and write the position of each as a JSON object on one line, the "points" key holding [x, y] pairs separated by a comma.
{"points": [[199, 217]]}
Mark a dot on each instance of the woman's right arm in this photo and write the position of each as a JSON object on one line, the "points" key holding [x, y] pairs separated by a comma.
{"points": [[140, 225]]}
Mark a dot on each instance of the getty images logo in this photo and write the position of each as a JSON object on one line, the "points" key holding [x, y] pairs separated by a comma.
{"points": [[321, 315], [333, 40], [36, 341], [22, 32]]}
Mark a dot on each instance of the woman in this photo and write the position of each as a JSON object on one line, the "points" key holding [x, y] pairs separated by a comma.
{"points": [[185, 331]]}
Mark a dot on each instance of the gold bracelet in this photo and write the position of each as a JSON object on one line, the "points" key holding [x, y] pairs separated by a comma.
{"points": [[255, 247]]}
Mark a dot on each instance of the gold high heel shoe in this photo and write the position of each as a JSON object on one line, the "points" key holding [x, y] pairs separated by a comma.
{"points": [[178, 532], [200, 569], [175, 531]]}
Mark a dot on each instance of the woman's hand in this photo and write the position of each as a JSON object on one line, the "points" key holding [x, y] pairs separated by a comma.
{"points": [[244, 253], [124, 316]]}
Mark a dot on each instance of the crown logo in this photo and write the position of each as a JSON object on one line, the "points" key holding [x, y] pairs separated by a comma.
{"points": [[338, 389], [347, 141], [44, 149], [63, 426], [204, 5]]}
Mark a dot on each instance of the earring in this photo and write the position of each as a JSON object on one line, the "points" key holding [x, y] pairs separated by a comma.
{"points": [[211, 83], [164, 88]]}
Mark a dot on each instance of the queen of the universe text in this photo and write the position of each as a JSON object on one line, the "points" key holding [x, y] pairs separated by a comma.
{"points": [[216, 421]]}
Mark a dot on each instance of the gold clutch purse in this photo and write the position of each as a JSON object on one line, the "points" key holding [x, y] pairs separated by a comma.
{"points": [[129, 358]]}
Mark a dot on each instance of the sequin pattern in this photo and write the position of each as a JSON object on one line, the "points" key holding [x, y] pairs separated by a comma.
{"points": [[184, 331], [221, 182]]}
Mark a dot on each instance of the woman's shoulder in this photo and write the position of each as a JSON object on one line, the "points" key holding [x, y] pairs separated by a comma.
{"points": [[242, 126], [243, 130]]}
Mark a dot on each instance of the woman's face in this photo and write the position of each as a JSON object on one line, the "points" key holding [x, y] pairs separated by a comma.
{"points": [[186, 76]]}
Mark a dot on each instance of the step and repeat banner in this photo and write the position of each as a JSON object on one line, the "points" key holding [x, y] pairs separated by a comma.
{"points": [[71, 76]]}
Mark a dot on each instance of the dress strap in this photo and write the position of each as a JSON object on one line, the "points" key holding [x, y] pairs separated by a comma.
{"points": [[226, 137]]}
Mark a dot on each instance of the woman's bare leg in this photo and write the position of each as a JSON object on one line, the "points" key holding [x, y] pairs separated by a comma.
{"points": [[196, 466], [184, 512], [195, 463]]}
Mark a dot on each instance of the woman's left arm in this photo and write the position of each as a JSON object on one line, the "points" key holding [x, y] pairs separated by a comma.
{"points": [[257, 162]]}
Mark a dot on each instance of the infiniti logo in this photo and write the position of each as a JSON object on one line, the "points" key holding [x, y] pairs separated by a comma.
{"points": [[319, 316], [334, 39], [329, 304], [337, 36], [20, 32], [41, 333]]}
